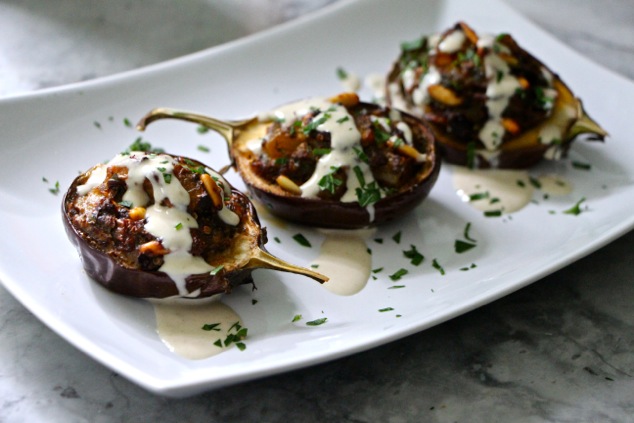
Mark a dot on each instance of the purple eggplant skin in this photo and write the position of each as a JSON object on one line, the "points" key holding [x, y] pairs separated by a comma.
{"points": [[334, 214], [121, 279]]}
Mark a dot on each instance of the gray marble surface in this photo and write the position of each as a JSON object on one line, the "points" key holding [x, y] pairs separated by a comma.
{"points": [[560, 350]]}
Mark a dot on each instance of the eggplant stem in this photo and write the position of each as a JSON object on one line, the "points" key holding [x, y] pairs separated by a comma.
{"points": [[264, 260], [225, 128], [586, 125]]}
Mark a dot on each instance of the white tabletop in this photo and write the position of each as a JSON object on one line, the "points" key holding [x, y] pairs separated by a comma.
{"points": [[559, 350]]}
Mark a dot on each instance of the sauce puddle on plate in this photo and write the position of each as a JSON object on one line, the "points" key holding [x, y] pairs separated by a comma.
{"points": [[504, 190], [190, 330], [345, 259]]}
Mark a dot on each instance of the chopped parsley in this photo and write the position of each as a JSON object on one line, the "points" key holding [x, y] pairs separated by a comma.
{"points": [[343, 119], [203, 148], [296, 318], [479, 196], [462, 246], [576, 209], [437, 266], [377, 270], [317, 322], [201, 129], [127, 122], [330, 182], [341, 73], [581, 165], [396, 287], [493, 213], [211, 326], [321, 151], [301, 240], [215, 270], [399, 274], [397, 237], [467, 229], [55, 189], [235, 337], [415, 257], [535, 182], [178, 226], [383, 310]]}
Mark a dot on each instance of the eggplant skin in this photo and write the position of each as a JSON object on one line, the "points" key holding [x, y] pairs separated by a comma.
{"points": [[121, 278], [333, 214]]}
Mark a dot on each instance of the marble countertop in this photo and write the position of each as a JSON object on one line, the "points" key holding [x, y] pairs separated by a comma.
{"points": [[560, 350]]}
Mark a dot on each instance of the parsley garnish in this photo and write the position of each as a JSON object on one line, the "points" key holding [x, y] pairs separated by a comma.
{"points": [[341, 73], [321, 151], [201, 129], [317, 322], [413, 254], [493, 213], [178, 226], [330, 182], [397, 237], [215, 270], [55, 189], [399, 274], [211, 326], [383, 310], [462, 246], [437, 266], [582, 166], [301, 240], [296, 318], [576, 209], [203, 148]]}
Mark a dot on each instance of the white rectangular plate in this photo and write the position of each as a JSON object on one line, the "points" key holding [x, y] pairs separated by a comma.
{"points": [[56, 133]]}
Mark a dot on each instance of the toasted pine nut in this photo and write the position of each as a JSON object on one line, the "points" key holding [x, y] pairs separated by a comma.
{"points": [[408, 150], [212, 189], [444, 95], [511, 60], [469, 32], [153, 247], [288, 185], [137, 213], [510, 125], [345, 99]]}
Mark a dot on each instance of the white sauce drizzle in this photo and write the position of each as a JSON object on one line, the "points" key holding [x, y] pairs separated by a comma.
{"points": [[344, 136], [180, 327], [452, 42], [506, 190], [344, 258], [170, 224]]}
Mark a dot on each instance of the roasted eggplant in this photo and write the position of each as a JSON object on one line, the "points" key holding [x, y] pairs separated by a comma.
{"points": [[490, 103], [152, 225], [329, 162]]}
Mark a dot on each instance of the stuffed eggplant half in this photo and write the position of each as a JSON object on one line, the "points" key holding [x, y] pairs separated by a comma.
{"points": [[489, 102], [157, 226], [330, 162]]}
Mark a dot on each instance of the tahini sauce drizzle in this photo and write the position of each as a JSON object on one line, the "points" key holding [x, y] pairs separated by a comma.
{"points": [[344, 138], [502, 189], [169, 224], [345, 259], [180, 327]]}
